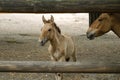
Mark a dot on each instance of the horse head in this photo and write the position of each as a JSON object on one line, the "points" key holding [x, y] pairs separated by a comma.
{"points": [[100, 26], [48, 30]]}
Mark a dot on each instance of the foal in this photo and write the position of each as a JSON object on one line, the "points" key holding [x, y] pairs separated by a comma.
{"points": [[61, 47]]}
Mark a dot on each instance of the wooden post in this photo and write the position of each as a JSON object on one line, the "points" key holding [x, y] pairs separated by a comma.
{"points": [[59, 6], [55, 67]]}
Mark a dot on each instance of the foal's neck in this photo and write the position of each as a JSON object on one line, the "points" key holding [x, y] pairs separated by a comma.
{"points": [[56, 40]]}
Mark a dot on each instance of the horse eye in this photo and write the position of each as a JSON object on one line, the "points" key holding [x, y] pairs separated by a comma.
{"points": [[49, 29], [100, 19]]}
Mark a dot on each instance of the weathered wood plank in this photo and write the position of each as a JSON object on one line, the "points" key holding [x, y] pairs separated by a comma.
{"points": [[59, 6], [53, 67]]}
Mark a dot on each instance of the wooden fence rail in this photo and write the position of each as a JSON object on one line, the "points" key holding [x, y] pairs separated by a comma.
{"points": [[53, 67], [59, 6]]}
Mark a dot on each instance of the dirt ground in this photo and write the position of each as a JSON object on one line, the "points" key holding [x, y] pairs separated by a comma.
{"points": [[19, 42]]}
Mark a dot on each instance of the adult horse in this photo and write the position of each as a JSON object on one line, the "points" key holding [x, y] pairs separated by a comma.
{"points": [[61, 47], [103, 24]]}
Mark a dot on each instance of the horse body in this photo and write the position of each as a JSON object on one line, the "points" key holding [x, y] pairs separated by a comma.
{"points": [[61, 47], [103, 24]]}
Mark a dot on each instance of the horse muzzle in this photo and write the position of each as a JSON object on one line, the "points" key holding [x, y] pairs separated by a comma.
{"points": [[90, 35], [42, 42]]}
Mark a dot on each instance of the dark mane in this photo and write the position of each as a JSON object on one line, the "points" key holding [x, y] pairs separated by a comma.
{"points": [[54, 24], [57, 28]]}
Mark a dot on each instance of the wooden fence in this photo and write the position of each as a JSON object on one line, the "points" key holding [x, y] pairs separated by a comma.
{"points": [[58, 6], [55, 67]]}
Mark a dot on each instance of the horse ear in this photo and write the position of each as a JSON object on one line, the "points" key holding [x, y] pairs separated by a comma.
{"points": [[43, 18], [52, 18]]}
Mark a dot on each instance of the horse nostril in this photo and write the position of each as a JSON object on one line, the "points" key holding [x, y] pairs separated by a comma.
{"points": [[87, 33], [41, 42]]}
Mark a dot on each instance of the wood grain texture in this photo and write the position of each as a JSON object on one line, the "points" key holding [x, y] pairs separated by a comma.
{"points": [[61, 67], [59, 6]]}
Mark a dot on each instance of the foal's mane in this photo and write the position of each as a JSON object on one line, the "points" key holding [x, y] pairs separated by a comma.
{"points": [[57, 28], [54, 24]]}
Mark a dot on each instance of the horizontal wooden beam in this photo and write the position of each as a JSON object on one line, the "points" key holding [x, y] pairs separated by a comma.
{"points": [[61, 67], [59, 6]]}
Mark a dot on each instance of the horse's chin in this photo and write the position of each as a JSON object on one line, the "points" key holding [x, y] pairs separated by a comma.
{"points": [[91, 38], [42, 44]]}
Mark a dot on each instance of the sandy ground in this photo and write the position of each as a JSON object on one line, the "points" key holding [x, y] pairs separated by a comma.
{"points": [[19, 42]]}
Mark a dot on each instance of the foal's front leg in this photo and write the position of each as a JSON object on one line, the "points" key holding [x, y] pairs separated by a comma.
{"points": [[59, 76], [53, 58]]}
